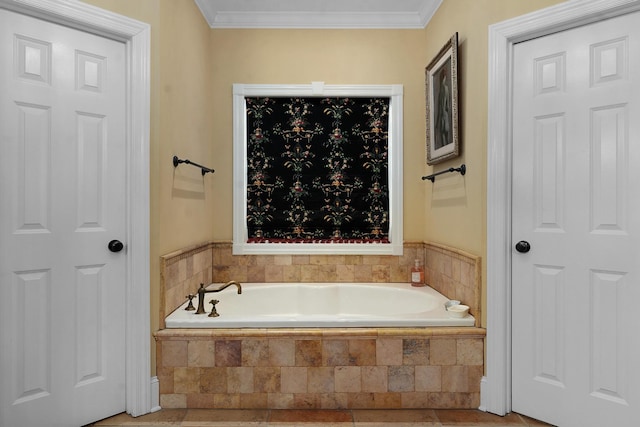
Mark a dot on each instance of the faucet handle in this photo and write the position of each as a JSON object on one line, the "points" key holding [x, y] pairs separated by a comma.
{"points": [[190, 306], [214, 312]]}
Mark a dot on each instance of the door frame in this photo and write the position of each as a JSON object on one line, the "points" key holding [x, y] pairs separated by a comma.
{"points": [[496, 385], [136, 37]]}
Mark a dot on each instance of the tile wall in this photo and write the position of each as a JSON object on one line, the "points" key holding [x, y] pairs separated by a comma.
{"points": [[321, 369], [316, 368], [454, 273]]}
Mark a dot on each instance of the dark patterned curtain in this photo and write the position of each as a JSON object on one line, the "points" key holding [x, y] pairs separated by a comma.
{"points": [[317, 169]]}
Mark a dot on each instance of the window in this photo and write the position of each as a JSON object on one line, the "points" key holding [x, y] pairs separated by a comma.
{"points": [[317, 169]]}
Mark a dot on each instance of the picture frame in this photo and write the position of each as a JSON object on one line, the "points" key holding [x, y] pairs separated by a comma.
{"points": [[441, 77]]}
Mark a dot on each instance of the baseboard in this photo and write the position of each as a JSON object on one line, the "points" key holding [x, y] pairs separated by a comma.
{"points": [[155, 394], [483, 394]]}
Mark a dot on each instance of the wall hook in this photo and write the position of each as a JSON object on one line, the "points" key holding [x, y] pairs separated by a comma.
{"points": [[462, 169], [177, 161]]}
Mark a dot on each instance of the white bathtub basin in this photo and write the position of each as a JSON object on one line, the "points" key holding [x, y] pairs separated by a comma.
{"points": [[323, 305]]}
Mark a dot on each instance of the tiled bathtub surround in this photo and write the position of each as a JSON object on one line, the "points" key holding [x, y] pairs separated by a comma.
{"points": [[181, 273], [454, 273], [315, 368], [320, 369]]}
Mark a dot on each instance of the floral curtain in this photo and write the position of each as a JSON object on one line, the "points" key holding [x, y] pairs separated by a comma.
{"points": [[317, 170]]}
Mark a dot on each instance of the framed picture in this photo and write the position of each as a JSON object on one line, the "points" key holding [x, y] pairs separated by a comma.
{"points": [[442, 104]]}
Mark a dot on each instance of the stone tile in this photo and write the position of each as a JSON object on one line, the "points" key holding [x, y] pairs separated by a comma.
{"points": [[387, 400], [320, 380], [375, 379], [174, 353], [254, 400], [282, 260], [474, 375], [295, 417], [442, 351], [213, 380], [226, 417], [300, 259], [280, 400], [361, 400], [240, 380], [363, 273], [456, 417], [397, 417], [201, 353], [312, 273], [401, 378], [362, 352], [345, 273], [447, 400], [307, 401], [169, 401], [200, 400], [389, 351], [400, 274], [428, 378], [455, 378], [291, 273], [165, 379], [228, 353], [469, 351], [226, 400], [335, 352], [293, 379], [186, 380], [168, 416], [415, 352], [380, 273], [202, 260], [334, 400], [255, 352], [266, 379], [308, 352], [281, 352], [417, 400], [348, 379], [274, 273]]}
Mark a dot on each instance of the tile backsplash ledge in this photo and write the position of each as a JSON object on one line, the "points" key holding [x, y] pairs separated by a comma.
{"points": [[452, 272]]}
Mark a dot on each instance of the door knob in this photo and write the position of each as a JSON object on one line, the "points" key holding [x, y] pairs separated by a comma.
{"points": [[523, 246], [115, 246]]}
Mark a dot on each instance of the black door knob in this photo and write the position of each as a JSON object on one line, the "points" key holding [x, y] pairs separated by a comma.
{"points": [[523, 246], [115, 246]]}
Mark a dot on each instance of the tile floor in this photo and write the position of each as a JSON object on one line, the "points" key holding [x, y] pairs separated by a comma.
{"points": [[320, 418]]}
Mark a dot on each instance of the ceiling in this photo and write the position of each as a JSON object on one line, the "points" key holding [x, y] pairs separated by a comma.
{"points": [[409, 14]]}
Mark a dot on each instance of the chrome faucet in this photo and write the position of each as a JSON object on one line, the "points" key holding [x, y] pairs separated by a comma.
{"points": [[202, 291]]}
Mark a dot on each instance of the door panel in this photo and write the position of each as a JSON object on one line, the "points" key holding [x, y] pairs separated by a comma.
{"points": [[63, 187], [575, 200]]}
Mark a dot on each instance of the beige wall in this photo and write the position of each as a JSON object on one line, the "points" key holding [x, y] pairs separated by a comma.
{"points": [[332, 56], [455, 214], [193, 68], [182, 201]]}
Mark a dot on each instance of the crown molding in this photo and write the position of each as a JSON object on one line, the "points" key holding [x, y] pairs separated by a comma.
{"points": [[309, 17]]}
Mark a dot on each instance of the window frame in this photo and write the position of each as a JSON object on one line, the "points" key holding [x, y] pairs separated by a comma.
{"points": [[394, 168]]}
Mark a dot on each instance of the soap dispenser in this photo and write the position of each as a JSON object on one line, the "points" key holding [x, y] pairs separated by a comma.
{"points": [[417, 274]]}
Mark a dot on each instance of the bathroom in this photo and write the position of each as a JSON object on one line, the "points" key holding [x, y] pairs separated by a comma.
{"points": [[192, 70], [194, 67]]}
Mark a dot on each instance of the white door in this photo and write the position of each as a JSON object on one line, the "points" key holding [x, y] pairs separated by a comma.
{"points": [[62, 200], [576, 202]]}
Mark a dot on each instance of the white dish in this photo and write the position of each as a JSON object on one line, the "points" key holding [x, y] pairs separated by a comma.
{"points": [[459, 310]]}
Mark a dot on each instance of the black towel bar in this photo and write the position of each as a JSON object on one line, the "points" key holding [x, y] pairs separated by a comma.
{"points": [[177, 161], [462, 169]]}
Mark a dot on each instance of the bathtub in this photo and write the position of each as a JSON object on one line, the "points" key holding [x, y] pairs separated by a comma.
{"points": [[320, 305]]}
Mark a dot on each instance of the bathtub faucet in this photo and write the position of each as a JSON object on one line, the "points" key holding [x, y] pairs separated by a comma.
{"points": [[202, 291]]}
